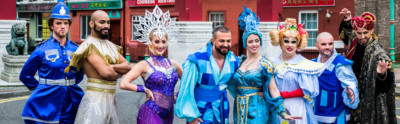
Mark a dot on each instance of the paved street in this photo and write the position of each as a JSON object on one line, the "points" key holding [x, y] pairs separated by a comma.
{"points": [[128, 105]]}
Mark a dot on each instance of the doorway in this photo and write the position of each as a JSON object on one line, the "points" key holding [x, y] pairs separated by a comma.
{"points": [[115, 32]]}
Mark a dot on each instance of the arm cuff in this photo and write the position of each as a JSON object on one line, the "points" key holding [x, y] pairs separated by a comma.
{"points": [[140, 88], [381, 77], [281, 111]]}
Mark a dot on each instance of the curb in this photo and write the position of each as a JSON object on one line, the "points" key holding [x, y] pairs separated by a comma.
{"points": [[397, 94], [15, 94]]}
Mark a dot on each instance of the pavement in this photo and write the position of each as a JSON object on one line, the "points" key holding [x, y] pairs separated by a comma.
{"points": [[8, 90]]}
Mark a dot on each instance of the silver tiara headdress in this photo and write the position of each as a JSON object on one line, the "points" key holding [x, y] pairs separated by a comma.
{"points": [[158, 21]]}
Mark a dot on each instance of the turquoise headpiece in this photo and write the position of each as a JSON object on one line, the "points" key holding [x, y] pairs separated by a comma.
{"points": [[60, 11], [249, 22]]}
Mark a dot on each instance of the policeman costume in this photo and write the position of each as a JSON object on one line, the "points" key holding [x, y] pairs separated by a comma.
{"points": [[56, 95]]}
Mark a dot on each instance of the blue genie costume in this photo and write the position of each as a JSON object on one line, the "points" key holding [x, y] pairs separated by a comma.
{"points": [[56, 95], [202, 91], [332, 104], [246, 86]]}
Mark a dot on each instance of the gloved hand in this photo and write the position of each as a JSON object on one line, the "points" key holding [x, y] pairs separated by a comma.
{"points": [[292, 94]]}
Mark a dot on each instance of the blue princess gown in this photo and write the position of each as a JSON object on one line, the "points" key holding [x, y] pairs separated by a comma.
{"points": [[245, 87]]}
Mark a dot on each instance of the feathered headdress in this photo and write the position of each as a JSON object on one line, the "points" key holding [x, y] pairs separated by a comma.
{"points": [[156, 21], [249, 22]]}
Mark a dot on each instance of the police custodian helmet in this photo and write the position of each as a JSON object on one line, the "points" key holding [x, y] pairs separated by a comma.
{"points": [[60, 11]]}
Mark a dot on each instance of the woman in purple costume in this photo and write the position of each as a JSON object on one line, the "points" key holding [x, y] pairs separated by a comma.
{"points": [[160, 74]]}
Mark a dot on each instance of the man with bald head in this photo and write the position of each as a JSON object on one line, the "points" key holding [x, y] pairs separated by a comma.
{"points": [[337, 84], [103, 64]]}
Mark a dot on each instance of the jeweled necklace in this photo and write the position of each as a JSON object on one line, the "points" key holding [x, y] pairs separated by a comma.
{"points": [[159, 60], [251, 62]]}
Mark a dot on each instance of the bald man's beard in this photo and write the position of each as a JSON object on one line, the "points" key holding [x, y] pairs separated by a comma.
{"points": [[322, 52], [102, 36]]}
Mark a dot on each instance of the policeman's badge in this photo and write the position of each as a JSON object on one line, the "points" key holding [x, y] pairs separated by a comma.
{"points": [[62, 11], [52, 55], [69, 55]]}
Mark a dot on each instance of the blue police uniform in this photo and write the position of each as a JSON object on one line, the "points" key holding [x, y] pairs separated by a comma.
{"points": [[56, 95]]}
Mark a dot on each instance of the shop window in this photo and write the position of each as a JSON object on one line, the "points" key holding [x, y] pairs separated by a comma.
{"points": [[85, 28], [39, 25], [217, 18], [43, 29], [135, 20], [311, 25]]}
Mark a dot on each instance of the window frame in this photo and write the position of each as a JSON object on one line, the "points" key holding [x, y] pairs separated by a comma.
{"points": [[317, 20], [39, 15], [88, 29], [216, 21], [135, 20]]}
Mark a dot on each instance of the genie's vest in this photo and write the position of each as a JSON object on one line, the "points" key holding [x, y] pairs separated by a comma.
{"points": [[329, 103]]}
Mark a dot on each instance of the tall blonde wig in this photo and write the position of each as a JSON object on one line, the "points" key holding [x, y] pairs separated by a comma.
{"points": [[291, 29]]}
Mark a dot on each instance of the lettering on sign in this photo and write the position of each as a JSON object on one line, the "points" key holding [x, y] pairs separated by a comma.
{"points": [[146, 1], [297, 3], [95, 5], [150, 2], [35, 7]]}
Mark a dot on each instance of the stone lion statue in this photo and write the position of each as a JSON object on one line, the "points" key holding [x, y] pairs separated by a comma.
{"points": [[18, 45]]}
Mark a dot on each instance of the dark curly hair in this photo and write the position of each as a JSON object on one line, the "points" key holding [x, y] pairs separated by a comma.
{"points": [[50, 22]]}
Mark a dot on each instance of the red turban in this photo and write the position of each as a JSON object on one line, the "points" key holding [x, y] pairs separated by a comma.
{"points": [[367, 21]]}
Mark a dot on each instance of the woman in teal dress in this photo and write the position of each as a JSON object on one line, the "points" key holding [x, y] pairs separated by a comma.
{"points": [[257, 99]]}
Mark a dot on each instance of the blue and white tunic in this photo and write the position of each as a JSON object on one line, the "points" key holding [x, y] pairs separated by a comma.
{"points": [[202, 91]]}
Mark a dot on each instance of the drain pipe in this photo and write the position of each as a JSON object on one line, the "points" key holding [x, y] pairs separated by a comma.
{"points": [[392, 53]]}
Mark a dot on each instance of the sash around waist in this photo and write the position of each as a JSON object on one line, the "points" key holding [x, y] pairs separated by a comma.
{"points": [[248, 91], [208, 95], [101, 85]]}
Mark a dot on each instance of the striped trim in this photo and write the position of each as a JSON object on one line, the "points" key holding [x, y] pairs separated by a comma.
{"points": [[61, 82], [325, 119], [60, 14], [251, 94], [242, 111], [249, 87], [100, 90], [334, 103], [102, 86], [98, 81], [39, 120]]}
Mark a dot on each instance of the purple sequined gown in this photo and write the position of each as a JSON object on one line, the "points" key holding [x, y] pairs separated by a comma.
{"points": [[161, 80]]}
